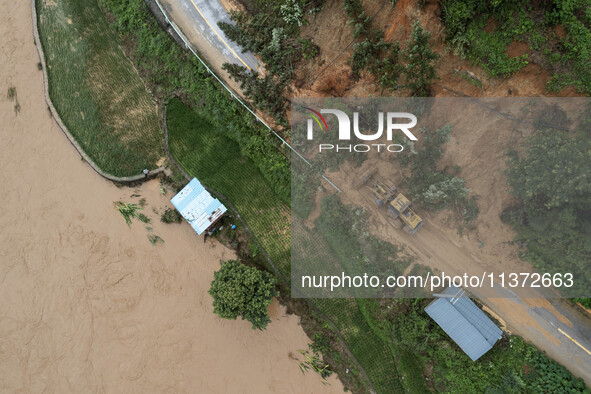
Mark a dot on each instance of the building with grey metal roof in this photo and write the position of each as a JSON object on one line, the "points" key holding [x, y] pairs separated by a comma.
{"points": [[464, 322], [198, 207]]}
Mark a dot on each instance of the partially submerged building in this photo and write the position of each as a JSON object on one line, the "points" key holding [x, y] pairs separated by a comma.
{"points": [[464, 322], [198, 207]]}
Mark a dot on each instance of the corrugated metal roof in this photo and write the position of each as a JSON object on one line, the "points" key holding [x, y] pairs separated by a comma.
{"points": [[197, 206], [464, 322]]}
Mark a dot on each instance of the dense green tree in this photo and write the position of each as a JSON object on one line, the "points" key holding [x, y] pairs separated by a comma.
{"points": [[555, 171], [419, 70], [265, 93], [238, 290], [552, 179]]}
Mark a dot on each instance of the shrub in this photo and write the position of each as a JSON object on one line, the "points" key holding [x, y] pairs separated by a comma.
{"points": [[238, 290], [382, 59], [272, 33], [309, 49], [432, 188], [265, 93], [292, 12], [443, 192], [171, 215]]}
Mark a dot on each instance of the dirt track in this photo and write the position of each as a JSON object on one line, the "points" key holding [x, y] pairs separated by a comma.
{"points": [[87, 304]]}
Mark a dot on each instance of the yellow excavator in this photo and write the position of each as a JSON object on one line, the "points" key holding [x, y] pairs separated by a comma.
{"points": [[365, 177], [398, 206]]}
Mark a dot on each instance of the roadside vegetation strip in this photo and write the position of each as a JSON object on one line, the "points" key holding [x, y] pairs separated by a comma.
{"points": [[94, 92]]}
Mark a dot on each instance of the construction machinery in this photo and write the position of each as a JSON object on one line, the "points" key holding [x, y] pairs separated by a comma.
{"points": [[384, 194], [398, 207], [365, 177]]}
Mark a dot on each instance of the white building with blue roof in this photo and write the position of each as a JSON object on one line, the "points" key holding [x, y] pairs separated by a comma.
{"points": [[198, 207]]}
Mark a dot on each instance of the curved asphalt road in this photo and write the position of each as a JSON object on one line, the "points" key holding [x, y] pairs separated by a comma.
{"points": [[562, 330], [198, 19], [558, 328]]}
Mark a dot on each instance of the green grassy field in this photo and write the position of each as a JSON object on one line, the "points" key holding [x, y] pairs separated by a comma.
{"points": [[96, 90], [217, 161]]}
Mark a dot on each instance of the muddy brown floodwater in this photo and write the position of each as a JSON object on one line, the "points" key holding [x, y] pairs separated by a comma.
{"points": [[87, 304]]}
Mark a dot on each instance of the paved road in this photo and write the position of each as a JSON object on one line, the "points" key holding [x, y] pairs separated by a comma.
{"points": [[553, 325], [198, 19]]}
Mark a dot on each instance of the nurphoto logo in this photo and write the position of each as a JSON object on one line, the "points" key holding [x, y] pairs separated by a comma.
{"points": [[344, 130]]}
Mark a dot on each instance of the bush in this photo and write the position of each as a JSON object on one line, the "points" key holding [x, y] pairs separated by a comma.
{"points": [[273, 33], [444, 192], [380, 58], [435, 189], [533, 23], [309, 49], [586, 302], [265, 93], [238, 290], [419, 70], [171, 215], [292, 13]]}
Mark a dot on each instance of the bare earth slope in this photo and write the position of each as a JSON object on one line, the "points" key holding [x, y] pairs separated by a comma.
{"points": [[86, 303]]}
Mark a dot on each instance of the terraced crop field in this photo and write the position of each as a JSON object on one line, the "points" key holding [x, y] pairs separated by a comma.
{"points": [[216, 160], [96, 90]]}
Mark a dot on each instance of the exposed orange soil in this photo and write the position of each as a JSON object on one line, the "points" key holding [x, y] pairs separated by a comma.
{"points": [[519, 310], [480, 154]]}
